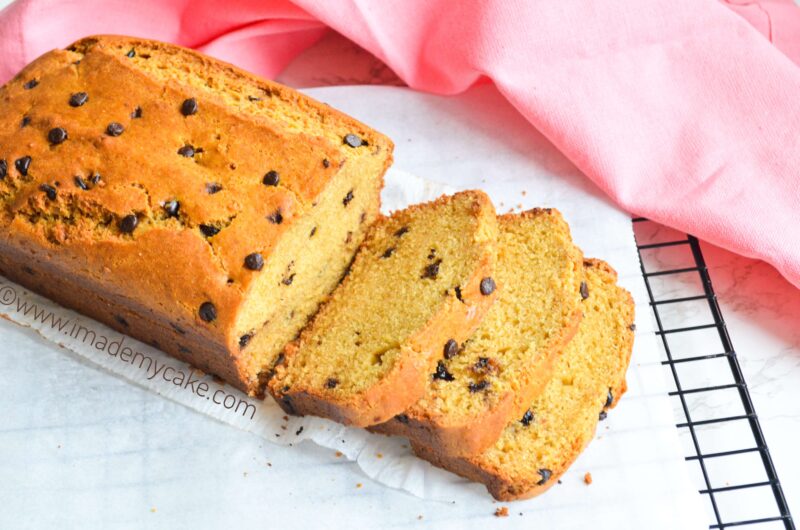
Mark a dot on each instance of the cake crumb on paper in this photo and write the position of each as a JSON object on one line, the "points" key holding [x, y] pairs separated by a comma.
{"points": [[339, 454], [501, 512], [587, 478], [359, 485]]}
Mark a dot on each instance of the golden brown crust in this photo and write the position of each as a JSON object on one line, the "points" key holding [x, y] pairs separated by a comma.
{"points": [[161, 273], [419, 353], [505, 487]]}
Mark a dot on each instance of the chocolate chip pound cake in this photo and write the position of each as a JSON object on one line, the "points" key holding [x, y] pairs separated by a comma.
{"points": [[422, 277], [589, 378], [181, 200], [493, 376]]}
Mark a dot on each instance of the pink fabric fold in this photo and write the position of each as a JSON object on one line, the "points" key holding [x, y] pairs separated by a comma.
{"points": [[686, 111]]}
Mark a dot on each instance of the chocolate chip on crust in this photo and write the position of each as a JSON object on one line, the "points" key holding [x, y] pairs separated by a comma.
{"points": [[187, 151], [527, 418], [78, 99], [137, 113], [172, 208], [209, 230], [487, 286], [584, 290], [442, 373], [189, 107], [326, 163], [57, 135], [254, 261], [23, 164], [26, 120], [347, 198], [401, 231], [3, 169], [609, 399], [272, 178], [213, 187], [388, 252], [332, 382], [450, 349], [79, 182], [275, 218], [115, 129], [603, 415], [208, 311], [128, 223], [49, 190], [33, 83], [402, 418], [121, 320], [545, 474]]}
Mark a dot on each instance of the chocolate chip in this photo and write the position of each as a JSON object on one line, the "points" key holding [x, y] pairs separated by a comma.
{"points": [[78, 99], [362, 218], [121, 320], [545, 474], [57, 135], [272, 178], [253, 98], [131, 53], [450, 349], [442, 373], [209, 230], [81, 183], [313, 231], [245, 339], [177, 328], [213, 187], [584, 290], [388, 252], [288, 280], [128, 223], [254, 261], [527, 418], [31, 84], [26, 120], [22, 165], [208, 311], [114, 129], [189, 107], [632, 327], [483, 384], [432, 253], [187, 151], [483, 365], [3, 169], [347, 198], [172, 208], [183, 349], [609, 399], [331, 382], [431, 271], [458, 293], [326, 163], [49, 190], [275, 218], [96, 178], [137, 113], [487, 286], [353, 141], [402, 231], [402, 418], [603, 415]]}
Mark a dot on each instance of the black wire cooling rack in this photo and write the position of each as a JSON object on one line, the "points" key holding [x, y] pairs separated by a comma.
{"points": [[750, 442]]}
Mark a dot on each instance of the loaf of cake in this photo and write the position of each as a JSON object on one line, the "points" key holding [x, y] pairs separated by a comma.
{"points": [[589, 378], [506, 363], [180, 200], [423, 277]]}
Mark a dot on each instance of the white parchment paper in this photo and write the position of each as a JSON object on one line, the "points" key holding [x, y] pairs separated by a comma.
{"points": [[473, 141]]}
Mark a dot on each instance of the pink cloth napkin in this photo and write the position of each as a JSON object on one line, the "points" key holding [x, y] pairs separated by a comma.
{"points": [[681, 111]]}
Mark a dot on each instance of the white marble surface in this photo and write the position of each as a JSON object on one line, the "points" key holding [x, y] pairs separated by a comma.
{"points": [[137, 430]]}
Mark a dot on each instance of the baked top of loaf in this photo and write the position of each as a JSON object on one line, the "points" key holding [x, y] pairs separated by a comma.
{"points": [[422, 277], [496, 373], [589, 378], [166, 179]]}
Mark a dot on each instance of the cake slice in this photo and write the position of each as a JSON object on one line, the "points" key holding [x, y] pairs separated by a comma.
{"points": [[589, 378], [496, 373], [422, 277]]}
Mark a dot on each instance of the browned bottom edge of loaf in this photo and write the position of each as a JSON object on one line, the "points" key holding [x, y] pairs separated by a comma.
{"points": [[140, 323]]}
